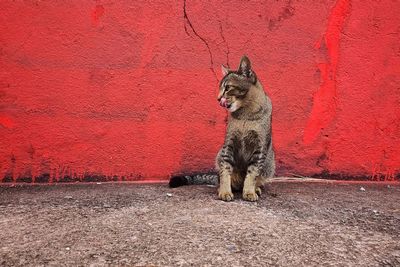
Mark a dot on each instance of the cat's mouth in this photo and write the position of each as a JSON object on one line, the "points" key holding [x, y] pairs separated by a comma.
{"points": [[224, 103]]}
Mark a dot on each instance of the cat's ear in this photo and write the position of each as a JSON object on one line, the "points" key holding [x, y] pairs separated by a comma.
{"points": [[224, 70], [245, 67]]}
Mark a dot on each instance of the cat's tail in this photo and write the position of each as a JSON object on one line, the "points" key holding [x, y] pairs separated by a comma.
{"points": [[194, 179]]}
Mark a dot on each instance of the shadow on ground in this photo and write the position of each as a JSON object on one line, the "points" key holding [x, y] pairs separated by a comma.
{"points": [[294, 224]]}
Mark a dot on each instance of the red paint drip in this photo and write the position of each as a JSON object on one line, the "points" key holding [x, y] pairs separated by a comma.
{"points": [[97, 13], [324, 107]]}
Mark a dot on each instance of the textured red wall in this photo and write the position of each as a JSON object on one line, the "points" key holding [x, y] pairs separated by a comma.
{"points": [[95, 90]]}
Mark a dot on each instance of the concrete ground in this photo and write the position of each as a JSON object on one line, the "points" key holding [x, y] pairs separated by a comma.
{"points": [[293, 224]]}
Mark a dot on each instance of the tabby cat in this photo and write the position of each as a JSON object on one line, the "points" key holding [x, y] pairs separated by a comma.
{"points": [[246, 159]]}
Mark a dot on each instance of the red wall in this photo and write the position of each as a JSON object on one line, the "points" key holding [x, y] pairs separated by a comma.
{"points": [[95, 90]]}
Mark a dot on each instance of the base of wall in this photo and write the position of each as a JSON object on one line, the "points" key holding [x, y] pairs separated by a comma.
{"points": [[98, 178]]}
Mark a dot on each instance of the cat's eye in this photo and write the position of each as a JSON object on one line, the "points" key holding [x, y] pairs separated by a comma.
{"points": [[229, 88]]}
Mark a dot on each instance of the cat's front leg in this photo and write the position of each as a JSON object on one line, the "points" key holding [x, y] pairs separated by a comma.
{"points": [[225, 184], [224, 165], [250, 186]]}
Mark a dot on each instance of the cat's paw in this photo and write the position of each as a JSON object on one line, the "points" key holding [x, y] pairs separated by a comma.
{"points": [[250, 196], [225, 195]]}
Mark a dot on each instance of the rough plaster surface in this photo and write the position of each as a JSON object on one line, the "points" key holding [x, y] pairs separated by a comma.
{"points": [[125, 90], [294, 224]]}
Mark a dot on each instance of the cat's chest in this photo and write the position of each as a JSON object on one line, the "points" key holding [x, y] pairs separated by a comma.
{"points": [[247, 137], [244, 125], [246, 130]]}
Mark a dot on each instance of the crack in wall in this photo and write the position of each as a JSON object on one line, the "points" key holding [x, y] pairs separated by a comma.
{"points": [[221, 32], [187, 20]]}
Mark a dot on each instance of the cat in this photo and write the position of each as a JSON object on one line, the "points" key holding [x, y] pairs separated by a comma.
{"points": [[247, 157]]}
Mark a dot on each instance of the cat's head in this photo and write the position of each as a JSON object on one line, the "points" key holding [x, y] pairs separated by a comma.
{"points": [[235, 85]]}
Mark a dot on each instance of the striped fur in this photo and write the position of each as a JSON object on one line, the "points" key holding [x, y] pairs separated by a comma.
{"points": [[246, 158]]}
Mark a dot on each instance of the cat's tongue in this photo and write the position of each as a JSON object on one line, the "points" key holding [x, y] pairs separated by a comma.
{"points": [[223, 102]]}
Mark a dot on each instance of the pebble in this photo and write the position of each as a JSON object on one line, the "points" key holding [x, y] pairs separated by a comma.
{"points": [[231, 248]]}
